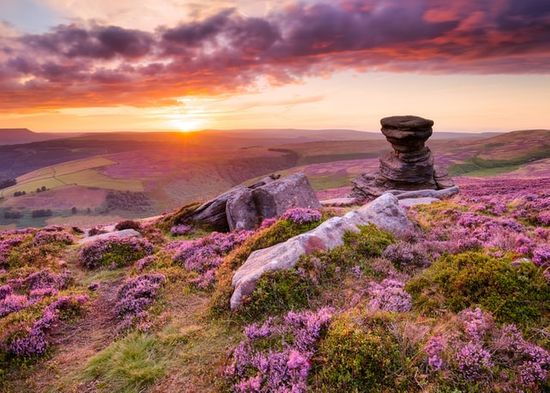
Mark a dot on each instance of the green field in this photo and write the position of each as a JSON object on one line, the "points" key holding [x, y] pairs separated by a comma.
{"points": [[80, 172]]}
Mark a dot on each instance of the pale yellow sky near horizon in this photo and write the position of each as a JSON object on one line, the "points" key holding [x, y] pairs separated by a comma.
{"points": [[470, 103]]}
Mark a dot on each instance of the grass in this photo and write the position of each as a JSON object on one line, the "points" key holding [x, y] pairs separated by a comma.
{"points": [[79, 172], [478, 166], [129, 365]]}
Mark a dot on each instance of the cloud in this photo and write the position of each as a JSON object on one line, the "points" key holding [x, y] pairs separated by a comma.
{"points": [[90, 64]]}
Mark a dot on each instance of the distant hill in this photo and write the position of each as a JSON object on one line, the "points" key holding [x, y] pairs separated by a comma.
{"points": [[17, 136]]}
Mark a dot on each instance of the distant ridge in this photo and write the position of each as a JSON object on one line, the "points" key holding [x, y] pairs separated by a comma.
{"points": [[16, 136]]}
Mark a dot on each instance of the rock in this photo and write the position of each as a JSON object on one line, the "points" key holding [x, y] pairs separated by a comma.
{"points": [[408, 202], [339, 202], [274, 198], [440, 194], [384, 212], [410, 166], [241, 210], [213, 212], [268, 179], [124, 234]]}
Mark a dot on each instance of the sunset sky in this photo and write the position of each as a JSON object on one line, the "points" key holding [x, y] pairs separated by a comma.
{"points": [[102, 65]]}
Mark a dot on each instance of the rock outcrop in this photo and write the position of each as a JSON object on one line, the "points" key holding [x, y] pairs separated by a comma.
{"points": [[410, 166], [384, 212], [244, 207], [124, 234]]}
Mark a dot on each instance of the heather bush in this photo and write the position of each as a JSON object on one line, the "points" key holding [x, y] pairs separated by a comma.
{"points": [[406, 255], [474, 351], [133, 299], [204, 256], [180, 230], [300, 215], [24, 333], [276, 355], [113, 252], [128, 224], [360, 353], [389, 295], [513, 292]]}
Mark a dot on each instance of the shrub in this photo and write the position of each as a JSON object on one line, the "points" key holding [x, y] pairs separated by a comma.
{"points": [[474, 351], [114, 252], [300, 215], [389, 295], [181, 229], [128, 224], [25, 333], [515, 293], [203, 256], [406, 255], [361, 354], [275, 356], [134, 297], [370, 241], [41, 213]]}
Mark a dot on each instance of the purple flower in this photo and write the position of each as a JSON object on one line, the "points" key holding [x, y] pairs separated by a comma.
{"points": [[282, 370], [473, 360], [135, 296], [434, 349], [127, 250], [300, 215], [182, 229], [389, 295]]}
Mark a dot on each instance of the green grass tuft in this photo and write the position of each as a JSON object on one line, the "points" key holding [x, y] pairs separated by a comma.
{"points": [[126, 366]]}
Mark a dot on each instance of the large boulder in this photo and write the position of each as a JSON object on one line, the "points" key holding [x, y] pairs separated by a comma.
{"points": [[274, 198], [384, 212], [214, 212], [241, 211]]}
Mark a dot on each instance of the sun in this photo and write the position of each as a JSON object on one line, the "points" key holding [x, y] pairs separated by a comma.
{"points": [[187, 123]]}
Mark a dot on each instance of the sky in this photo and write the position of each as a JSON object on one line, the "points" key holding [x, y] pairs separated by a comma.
{"points": [[104, 65]]}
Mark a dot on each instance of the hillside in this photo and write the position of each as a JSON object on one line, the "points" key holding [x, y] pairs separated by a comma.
{"points": [[16, 136], [171, 169], [460, 300]]}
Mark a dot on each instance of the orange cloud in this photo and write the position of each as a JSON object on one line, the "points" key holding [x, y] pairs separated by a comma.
{"points": [[97, 65]]}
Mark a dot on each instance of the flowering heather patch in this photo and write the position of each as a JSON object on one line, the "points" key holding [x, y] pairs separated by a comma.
{"points": [[267, 222], [31, 339], [180, 230], [405, 254], [204, 255], [49, 236], [389, 295], [7, 244], [114, 252], [477, 351], [300, 215], [276, 357], [134, 297]]}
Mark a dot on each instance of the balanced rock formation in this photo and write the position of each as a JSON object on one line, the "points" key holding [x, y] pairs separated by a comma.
{"points": [[410, 166], [384, 212], [244, 207]]}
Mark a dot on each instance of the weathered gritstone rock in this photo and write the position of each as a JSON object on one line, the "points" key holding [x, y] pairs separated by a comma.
{"points": [[124, 234], [384, 212], [408, 202], [410, 166], [244, 207]]}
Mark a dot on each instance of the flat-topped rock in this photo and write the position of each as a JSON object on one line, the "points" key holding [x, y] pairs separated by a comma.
{"points": [[407, 123], [410, 166]]}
